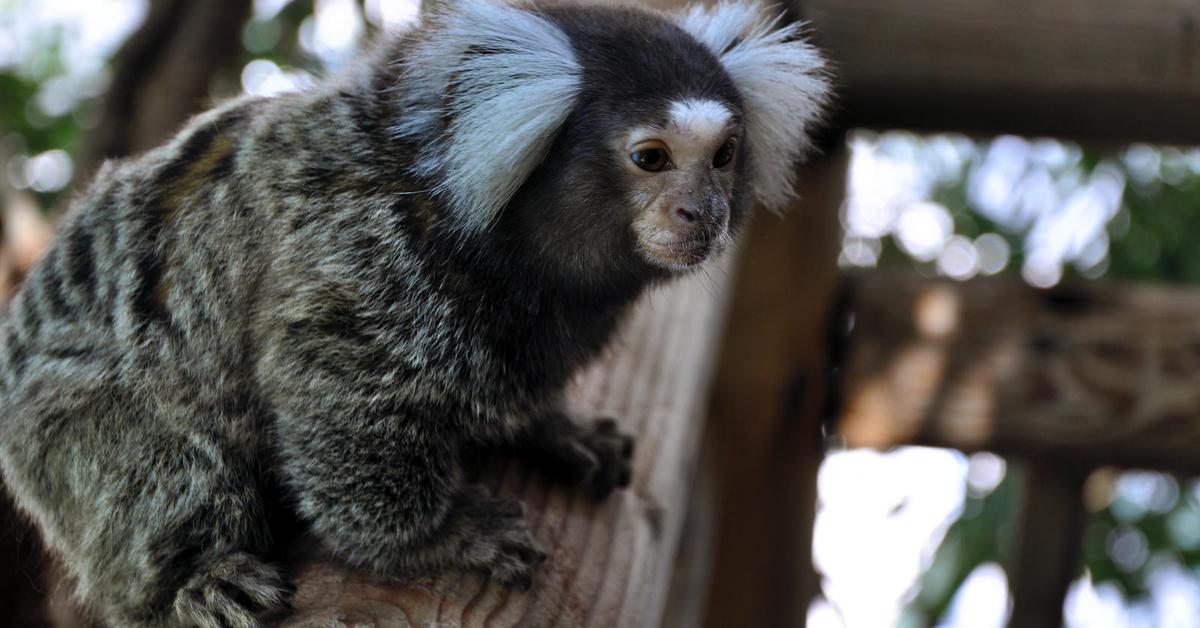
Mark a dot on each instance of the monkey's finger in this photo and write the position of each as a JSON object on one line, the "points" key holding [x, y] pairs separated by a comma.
{"points": [[505, 508], [527, 553], [625, 476], [581, 462], [627, 444], [606, 426], [608, 476]]}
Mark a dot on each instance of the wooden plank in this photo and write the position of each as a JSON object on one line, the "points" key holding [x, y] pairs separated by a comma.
{"points": [[1047, 547], [768, 403], [1096, 69], [1092, 373], [610, 563]]}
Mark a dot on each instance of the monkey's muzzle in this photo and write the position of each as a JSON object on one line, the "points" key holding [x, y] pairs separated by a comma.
{"points": [[683, 239]]}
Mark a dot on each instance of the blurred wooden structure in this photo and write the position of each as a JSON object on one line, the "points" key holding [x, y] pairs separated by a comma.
{"points": [[1088, 375], [1106, 71], [1069, 379]]}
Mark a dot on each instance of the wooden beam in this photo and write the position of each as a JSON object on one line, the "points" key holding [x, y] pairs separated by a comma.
{"points": [[610, 564], [1093, 69], [1092, 374]]}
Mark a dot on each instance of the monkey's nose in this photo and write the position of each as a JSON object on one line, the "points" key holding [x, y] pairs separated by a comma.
{"points": [[685, 215]]}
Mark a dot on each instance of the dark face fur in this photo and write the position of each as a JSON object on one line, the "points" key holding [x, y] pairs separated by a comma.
{"points": [[643, 179]]}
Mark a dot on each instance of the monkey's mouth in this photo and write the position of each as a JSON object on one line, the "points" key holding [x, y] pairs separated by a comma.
{"points": [[677, 253]]}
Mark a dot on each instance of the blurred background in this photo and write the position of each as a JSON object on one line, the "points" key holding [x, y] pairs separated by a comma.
{"points": [[917, 536], [910, 537]]}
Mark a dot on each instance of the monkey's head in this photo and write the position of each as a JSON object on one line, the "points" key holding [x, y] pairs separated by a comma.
{"points": [[607, 142]]}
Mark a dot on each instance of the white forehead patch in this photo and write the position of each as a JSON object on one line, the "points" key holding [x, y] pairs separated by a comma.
{"points": [[782, 80], [702, 119]]}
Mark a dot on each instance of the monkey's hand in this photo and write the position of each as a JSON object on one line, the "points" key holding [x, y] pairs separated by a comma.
{"points": [[598, 458], [494, 536]]}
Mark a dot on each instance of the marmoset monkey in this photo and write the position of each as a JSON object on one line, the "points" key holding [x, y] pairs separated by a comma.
{"points": [[316, 302]]}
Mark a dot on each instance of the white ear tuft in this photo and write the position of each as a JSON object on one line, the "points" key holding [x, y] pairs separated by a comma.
{"points": [[783, 85], [505, 80]]}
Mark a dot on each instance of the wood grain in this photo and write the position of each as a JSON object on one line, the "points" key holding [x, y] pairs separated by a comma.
{"points": [[610, 563], [1091, 374]]}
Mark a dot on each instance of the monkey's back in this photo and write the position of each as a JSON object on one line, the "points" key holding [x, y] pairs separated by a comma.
{"points": [[127, 350], [152, 269]]}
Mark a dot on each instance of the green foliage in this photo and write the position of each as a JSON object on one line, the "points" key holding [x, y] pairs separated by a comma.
{"points": [[982, 534], [27, 129], [24, 128], [1154, 237], [278, 38]]}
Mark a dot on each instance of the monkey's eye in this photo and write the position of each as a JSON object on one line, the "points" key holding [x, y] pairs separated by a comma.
{"points": [[724, 154], [650, 159]]}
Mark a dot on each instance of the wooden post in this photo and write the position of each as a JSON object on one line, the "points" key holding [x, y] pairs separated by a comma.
{"points": [[768, 404], [162, 75], [1046, 549], [690, 579]]}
